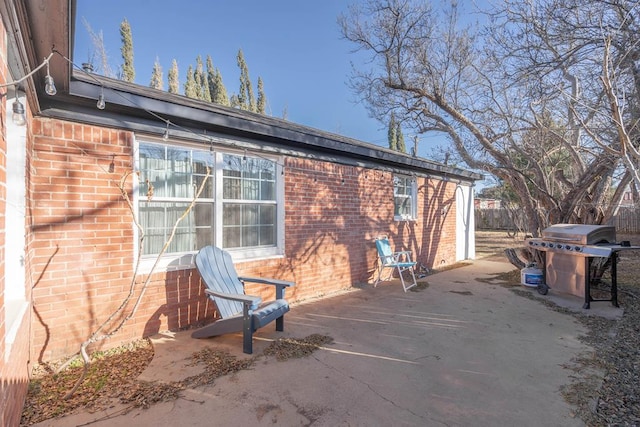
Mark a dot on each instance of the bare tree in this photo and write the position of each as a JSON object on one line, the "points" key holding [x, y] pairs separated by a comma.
{"points": [[584, 53], [100, 52], [129, 305], [517, 98]]}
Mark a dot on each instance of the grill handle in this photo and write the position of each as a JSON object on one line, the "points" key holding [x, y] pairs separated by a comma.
{"points": [[562, 239]]}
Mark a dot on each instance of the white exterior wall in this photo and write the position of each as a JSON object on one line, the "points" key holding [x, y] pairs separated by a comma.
{"points": [[465, 223]]}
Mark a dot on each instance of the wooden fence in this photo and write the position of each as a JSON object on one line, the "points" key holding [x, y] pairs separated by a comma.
{"points": [[627, 220]]}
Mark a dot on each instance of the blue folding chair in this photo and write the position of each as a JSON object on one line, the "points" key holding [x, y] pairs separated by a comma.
{"points": [[395, 261]]}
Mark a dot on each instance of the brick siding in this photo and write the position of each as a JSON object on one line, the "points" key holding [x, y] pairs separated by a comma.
{"points": [[82, 242]]}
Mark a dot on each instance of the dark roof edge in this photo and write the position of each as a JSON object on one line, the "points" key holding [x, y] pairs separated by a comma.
{"points": [[213, 118]]}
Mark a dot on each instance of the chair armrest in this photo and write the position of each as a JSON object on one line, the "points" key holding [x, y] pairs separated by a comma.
{"points": [[245, 299], [402, 256], [402, 253], [279, 284], [275, 282]]}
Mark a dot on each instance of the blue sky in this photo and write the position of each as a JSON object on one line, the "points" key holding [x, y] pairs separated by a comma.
{"points": [[295, 46]]}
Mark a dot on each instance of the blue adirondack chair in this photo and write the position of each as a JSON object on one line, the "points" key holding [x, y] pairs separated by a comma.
{"points": [[238, 311], [394, 261]]}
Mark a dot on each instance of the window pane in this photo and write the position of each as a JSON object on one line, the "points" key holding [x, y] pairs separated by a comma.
{"points": [[232, 214], [166, 173], [152, 168], [232, 188], [251, 190], [178, 185], [268, 190], [403, 206], [249, 225], [268, 215], [204, 237], [268, 235], [169, 172], [403, 196], [208, 190], [202, 159], [250, 236], [248, 178], [231, 237], [203, 214], [249, 214]]}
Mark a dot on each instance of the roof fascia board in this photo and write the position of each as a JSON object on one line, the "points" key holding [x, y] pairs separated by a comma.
{"points": [[152, 131], [213, 118]]}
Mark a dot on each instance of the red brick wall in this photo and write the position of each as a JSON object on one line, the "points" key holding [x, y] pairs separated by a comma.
{"points": [[82, 246], [82, 232]]}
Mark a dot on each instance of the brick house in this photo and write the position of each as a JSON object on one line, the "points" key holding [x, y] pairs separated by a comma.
{"points": [[287, 201]]}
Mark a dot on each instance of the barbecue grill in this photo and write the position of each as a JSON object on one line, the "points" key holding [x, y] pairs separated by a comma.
{"points": [[569, 250]]}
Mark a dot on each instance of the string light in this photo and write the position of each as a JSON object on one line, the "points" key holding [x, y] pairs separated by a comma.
{"points": [[49, 85], [29, 74], [18, 117], [165, 136], [101, 103]]}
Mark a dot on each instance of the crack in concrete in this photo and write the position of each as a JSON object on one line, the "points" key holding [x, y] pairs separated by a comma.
{"points": [[373, 390]]}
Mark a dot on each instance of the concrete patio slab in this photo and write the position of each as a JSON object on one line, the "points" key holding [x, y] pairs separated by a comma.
{"points": [[462, 352]]}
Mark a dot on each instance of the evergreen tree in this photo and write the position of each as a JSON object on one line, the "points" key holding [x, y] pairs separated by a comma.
{"points": [[190, 87], [172, 78], [262, 100], [221, 92], [200, 79], [241, 98], [392, 133], [400, 145], [217, 90], [128, 70], [246, 100], [211, 79], [156, 76]]}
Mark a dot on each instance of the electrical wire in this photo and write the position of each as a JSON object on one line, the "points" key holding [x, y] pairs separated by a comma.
{"points": [[32, 72]]}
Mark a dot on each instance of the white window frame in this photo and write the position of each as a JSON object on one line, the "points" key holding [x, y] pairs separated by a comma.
{"points": [[186, 260], [413, 196]]}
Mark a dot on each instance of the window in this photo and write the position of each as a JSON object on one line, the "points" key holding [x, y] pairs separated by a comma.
{"points": [[169, 179], [239, 209], [404, 194], [249, 202]]}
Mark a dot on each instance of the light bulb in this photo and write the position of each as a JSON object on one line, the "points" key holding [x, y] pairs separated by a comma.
{"points": [[101, 104], [49, 85], [18, 116]]}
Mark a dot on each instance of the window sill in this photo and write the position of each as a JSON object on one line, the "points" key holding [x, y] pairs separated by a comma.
{"points": [[15, 311], [404, 219], [186, 261]]}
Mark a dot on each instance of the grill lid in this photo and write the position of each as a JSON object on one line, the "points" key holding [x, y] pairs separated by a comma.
{"points": [[582, 234]]}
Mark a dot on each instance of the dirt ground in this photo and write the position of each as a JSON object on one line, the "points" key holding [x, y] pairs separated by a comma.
{"points": [[491, 245]]}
